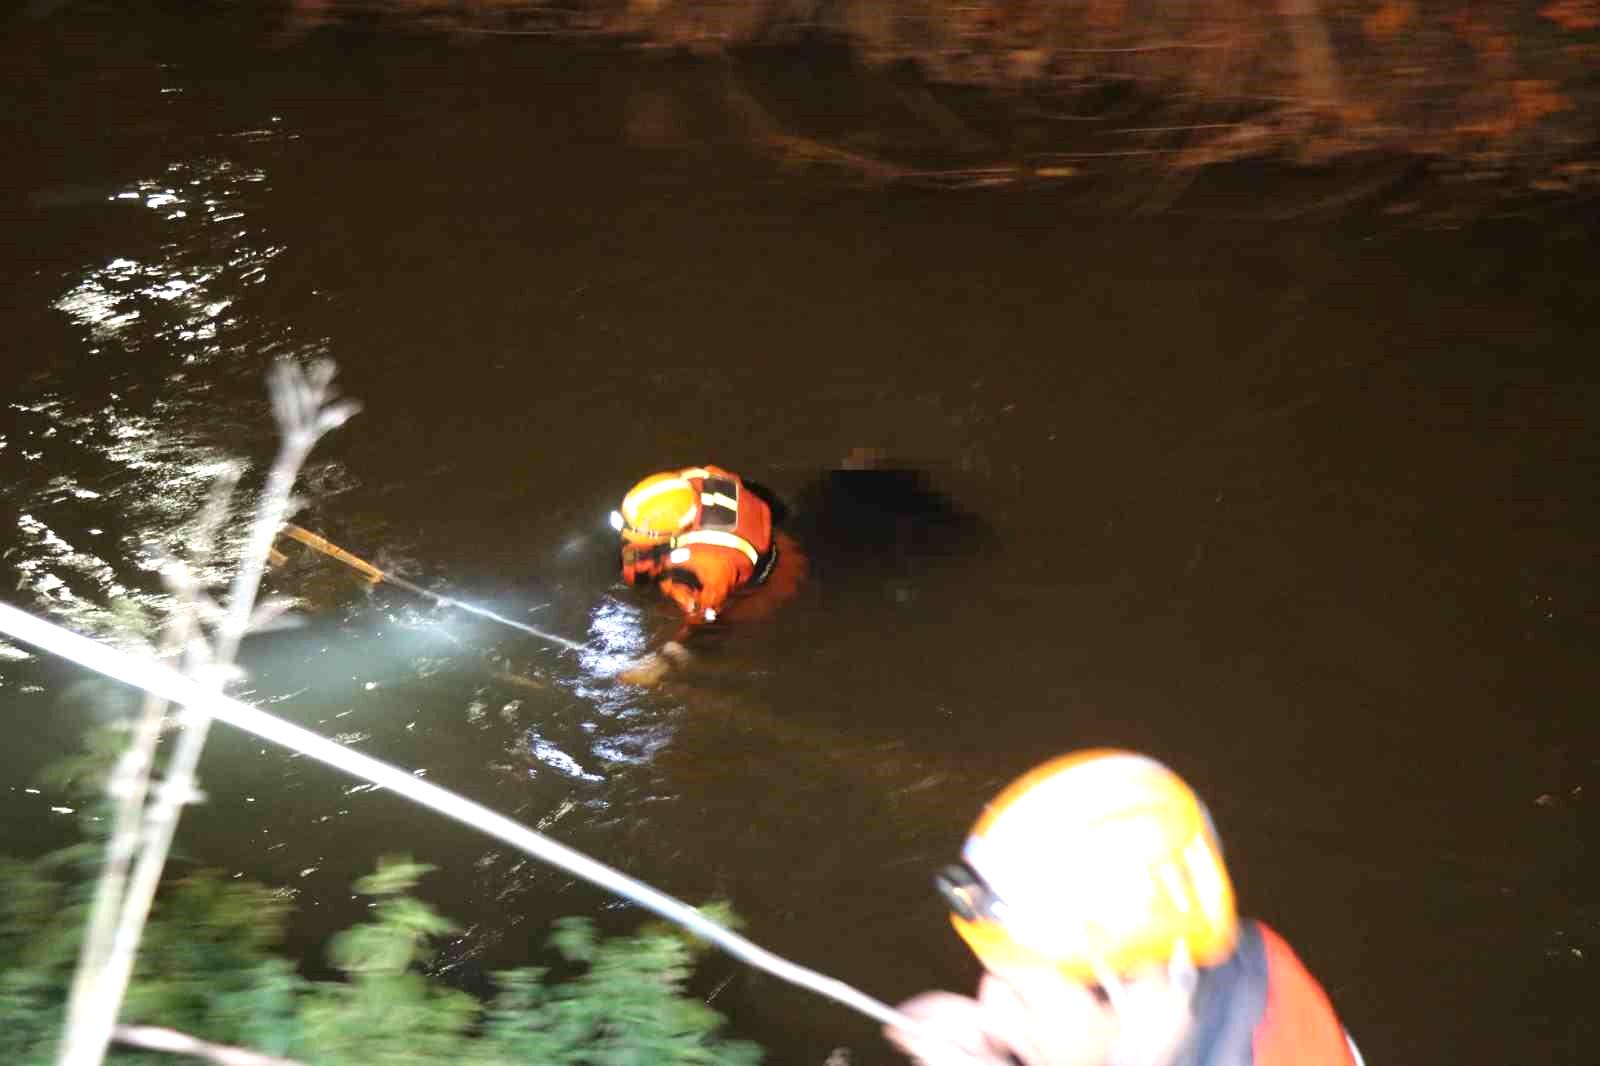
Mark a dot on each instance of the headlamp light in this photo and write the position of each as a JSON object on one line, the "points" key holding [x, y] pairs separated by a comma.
{"points": [[616, 521]]}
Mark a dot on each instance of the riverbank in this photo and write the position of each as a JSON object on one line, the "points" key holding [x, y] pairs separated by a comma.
{"points": [[1494, 98]]}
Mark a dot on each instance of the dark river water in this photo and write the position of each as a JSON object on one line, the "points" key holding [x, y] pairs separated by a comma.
{"points": [[1306, 508]]}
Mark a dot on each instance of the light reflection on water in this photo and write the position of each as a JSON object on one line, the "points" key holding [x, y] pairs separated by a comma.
{"points": [[167, 306], [617, 639], [185, 290]]}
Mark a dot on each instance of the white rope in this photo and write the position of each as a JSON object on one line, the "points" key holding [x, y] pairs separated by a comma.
{"points": [[483, 612], [169, 684], [158, 1039]]}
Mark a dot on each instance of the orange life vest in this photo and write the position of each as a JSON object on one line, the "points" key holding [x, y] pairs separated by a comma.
{"points": [[1262, 1008], [1298, 1025], [727, 545]]}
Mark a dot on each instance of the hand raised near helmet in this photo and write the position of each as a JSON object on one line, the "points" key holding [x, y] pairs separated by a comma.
{"points": [[951, 1032], [1033, 1019]]}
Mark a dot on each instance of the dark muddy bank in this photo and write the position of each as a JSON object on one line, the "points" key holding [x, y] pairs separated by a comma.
{"points": [[1507, 91]]}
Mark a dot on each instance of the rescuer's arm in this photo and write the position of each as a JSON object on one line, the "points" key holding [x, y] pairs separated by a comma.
{"points": [[701, 584], [653, 667], [952, 1033], [1039, 1020]]}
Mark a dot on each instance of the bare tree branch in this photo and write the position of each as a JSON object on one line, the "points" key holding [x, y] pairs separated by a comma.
{"points": [[129, 784], [302, 402]]}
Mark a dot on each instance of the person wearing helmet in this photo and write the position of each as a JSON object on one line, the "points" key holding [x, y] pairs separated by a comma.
{"points": [[699, 535], [1093, 892]]}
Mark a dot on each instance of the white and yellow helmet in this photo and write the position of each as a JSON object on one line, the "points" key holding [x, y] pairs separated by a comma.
{"points": [[657, 509], [1100, 863]]}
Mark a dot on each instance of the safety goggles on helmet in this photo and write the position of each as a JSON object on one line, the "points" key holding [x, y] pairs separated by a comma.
{"points": [[968, 897]]}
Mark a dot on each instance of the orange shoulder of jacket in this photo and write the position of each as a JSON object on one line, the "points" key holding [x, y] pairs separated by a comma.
{"points": [[1299, 1027]]}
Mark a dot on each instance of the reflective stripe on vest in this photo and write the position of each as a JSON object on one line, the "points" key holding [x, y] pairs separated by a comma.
{"points": [[720, 539], [719, 503]]}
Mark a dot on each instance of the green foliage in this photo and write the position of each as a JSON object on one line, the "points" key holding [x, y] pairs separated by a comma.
{"points": [[207, 967], [387, 1012], [204, 965], [35, 951], [625, 1009], [83, 775]]}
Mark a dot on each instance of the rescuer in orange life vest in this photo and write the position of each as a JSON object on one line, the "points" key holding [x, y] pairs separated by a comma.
{"points": [[1093, 892], [701, 535]]}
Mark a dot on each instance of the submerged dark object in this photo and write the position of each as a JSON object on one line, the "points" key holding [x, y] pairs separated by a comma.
{"points": [[886, 518]]}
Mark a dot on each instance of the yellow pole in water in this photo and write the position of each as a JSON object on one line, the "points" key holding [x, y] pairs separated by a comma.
{"points": [[321, 544]]}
